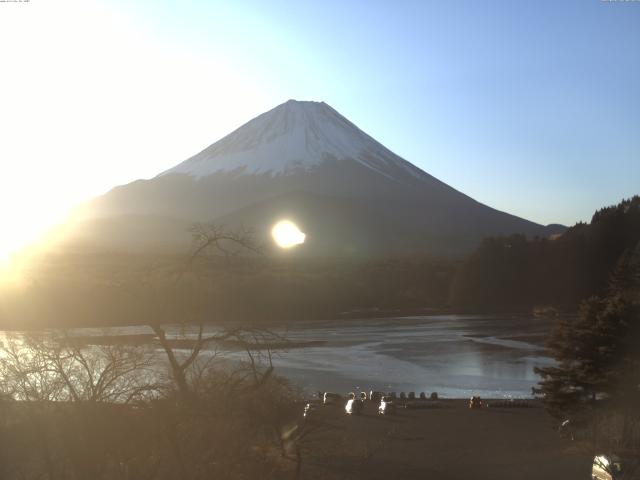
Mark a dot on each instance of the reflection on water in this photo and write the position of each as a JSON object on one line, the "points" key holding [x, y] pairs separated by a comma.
{"points": [[454, 355]]}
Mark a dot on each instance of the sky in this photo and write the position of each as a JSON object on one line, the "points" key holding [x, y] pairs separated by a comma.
{"points": [[531, 107]]}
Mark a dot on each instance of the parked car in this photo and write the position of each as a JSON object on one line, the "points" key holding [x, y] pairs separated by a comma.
{"points": [[332, 398], [475, 402], [572, 428], [606, 467], [354, 406], [565, 429], [375, 396], [387, 406], [309, 408]]}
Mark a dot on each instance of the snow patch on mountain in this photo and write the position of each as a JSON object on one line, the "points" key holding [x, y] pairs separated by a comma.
{"points": [[295, 136]]}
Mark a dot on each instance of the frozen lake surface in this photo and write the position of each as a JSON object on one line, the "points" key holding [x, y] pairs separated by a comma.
{"points": [[454, 355]]}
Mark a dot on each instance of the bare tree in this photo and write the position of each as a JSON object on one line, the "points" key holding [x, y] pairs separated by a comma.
{"points": [[67, 404], [108, 412], [55, 367], [208, 239]]}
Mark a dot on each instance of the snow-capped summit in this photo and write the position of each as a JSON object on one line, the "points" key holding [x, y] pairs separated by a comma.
{"points": [[305, 162], [293, 137]]}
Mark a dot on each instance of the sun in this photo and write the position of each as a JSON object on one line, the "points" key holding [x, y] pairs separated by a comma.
{"points": [[10, 245], [286, 234]]}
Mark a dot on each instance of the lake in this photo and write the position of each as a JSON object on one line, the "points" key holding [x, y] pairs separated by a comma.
{"points": [[454, 355]]}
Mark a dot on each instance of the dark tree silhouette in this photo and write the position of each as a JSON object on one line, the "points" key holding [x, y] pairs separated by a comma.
{"points": [[515, 273], [207, 238], [598, 353]]}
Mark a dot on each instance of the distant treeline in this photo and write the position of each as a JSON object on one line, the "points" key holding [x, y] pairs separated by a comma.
{"points": [[320, 290], [516, 273], [503, 274], [96, 289]]}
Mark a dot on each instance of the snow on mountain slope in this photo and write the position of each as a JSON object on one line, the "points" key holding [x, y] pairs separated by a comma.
{"points": [[306, 162], [293, 137]]}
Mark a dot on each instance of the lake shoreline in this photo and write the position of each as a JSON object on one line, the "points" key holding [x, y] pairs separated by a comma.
{"points": [[493, 356], [358, 314]]}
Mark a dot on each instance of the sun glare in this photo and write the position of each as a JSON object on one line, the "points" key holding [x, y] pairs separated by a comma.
{"points": [[10, 245], [286, 234]]}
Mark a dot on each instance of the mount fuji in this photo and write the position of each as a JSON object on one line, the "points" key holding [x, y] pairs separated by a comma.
{"points": [[305, 162]]}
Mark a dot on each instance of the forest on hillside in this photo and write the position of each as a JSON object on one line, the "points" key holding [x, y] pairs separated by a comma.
{"points": [[514, 272], [103, 289], [510, 273]]}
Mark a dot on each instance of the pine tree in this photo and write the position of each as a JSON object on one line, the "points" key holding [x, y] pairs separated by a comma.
{"points": [[598, 353]]}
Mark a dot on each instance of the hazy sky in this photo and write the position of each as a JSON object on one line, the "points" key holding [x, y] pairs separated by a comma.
{"points": [[532, 107]]}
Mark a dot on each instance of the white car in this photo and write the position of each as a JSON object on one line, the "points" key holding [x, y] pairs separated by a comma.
{"points": [[606, 467], [354, 406], [309, 408], [387, 407]]}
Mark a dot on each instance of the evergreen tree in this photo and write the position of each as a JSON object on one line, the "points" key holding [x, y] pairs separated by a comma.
{"points": [[514, 272], [598, 352]]}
